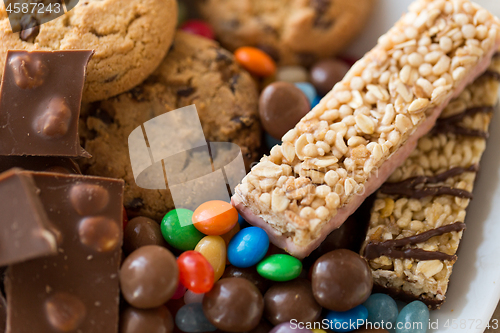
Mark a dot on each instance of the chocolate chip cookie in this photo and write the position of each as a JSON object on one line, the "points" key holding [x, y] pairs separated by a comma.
{"points": [[195, 71], [292, 31], [130, 39]]}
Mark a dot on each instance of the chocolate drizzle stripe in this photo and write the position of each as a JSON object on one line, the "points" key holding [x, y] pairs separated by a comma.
{"points": [[491, 74], [449, 125], [389, 248], [466, 113], [408, 187]]}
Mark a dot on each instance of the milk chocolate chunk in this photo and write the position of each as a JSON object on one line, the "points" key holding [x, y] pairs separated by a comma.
{"points": [[24, 225], [40, 163], [40, 101], [76, 290]]}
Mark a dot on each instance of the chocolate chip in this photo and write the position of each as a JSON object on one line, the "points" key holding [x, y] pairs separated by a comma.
{"points": [[111, 78], [223, 55], [88, 199], [135, 204], [101, 114], [271, 51], [55, 121], [29, 28], [320, 6], [245, 122], [29, 72], [138, 94], [185, 92], [99, 233], [65, 312], [233, 24], [233, 82]]}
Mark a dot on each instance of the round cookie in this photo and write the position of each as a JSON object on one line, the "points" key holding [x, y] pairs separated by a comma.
{"points": [[195, 71], [291, 31], [130, 38]]}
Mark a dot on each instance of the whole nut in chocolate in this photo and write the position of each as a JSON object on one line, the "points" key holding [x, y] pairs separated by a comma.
{"points": [[28, 72]]}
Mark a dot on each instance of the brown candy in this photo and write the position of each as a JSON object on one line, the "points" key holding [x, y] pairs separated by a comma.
{"points": [[142, 231], [326, 73], [149, 277], [65, 312], [234, 305], [158, 320], [250, 274], [291, 300], [28, 72], [341, 280], [281, 106]]}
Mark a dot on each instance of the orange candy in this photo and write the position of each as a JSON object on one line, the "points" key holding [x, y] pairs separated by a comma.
{"points": [[255, 61], [215, 217]]}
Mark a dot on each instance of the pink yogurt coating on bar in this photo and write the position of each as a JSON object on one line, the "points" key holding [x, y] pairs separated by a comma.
{"points": [[371, 185]]}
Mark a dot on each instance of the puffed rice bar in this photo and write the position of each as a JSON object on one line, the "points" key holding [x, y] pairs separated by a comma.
{"points": [[348, 145]]}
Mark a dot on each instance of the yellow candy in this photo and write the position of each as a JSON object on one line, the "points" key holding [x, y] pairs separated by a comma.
{"points": [[213, 248], [318, 331]]}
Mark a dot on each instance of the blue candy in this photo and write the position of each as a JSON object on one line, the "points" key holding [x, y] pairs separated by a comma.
{"points": [[270, 141], [242, 222], [382, 309], [413, 318], [315, 102], [190, 318], [347, 321], [308, 89], [248, 247]]}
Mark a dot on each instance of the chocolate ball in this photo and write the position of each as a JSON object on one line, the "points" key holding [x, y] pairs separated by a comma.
{"points": [[291, 300], [281, 106], [249, 273], [234, 305], [326, 73], [157, 320], [149, 277], [141, 231], [341, 280]]}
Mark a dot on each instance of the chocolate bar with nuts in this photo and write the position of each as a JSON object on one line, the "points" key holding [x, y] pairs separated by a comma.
{"points": [[25, 229], [40, 163], [417, 220], [40, 101], [370, 122], [77, 290]]}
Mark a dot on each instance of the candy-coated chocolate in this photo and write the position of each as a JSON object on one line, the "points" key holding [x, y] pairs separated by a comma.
{"points": [[149, 277], [178, 230], [179, 292], [234, 305], [281, 106], [410, 315], [292, 74], [255, 61], [198, 27], [318, 330], [196, 273], [381, 309], [248, 247], [190, 318], [280, 267], [341, 280], [291, 300], [270, 141], [345, 321], [230, 234], [249, 273], [141, 231], [157, 320], [213, 248], [263, 327], [326, 73], [308, 90], [190, 297], [242, 222], [289, 328], [215, 217]]}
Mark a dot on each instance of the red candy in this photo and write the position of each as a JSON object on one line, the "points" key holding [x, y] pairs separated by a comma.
{"points": [[198, 27], [196, 273], [179, 292]]}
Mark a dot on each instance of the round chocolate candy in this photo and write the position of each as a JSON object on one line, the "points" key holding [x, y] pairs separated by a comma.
{"points": [[234, 305], [281, 106], [288, 327], [158, 320], [291, 300], [249, 273], [149, 277], [142, 231], [326, 73], [341, 280]]}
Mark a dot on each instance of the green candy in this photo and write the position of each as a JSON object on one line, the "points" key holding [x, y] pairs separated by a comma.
{"points": [[178, 230], [280, 267]]}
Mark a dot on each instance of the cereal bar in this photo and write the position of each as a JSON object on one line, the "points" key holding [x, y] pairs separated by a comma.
{"points": [[418, 216], [350, 143]]}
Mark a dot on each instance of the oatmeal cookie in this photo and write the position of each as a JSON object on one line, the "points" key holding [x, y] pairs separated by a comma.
{"points": [[195, 71], [130, 38], [292, 31]]}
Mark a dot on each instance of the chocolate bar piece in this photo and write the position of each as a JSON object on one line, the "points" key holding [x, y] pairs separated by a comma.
{"points": [[417, 220], [25, 230], [40, 103], [351, 142], [78, 289], [39, 163]]}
